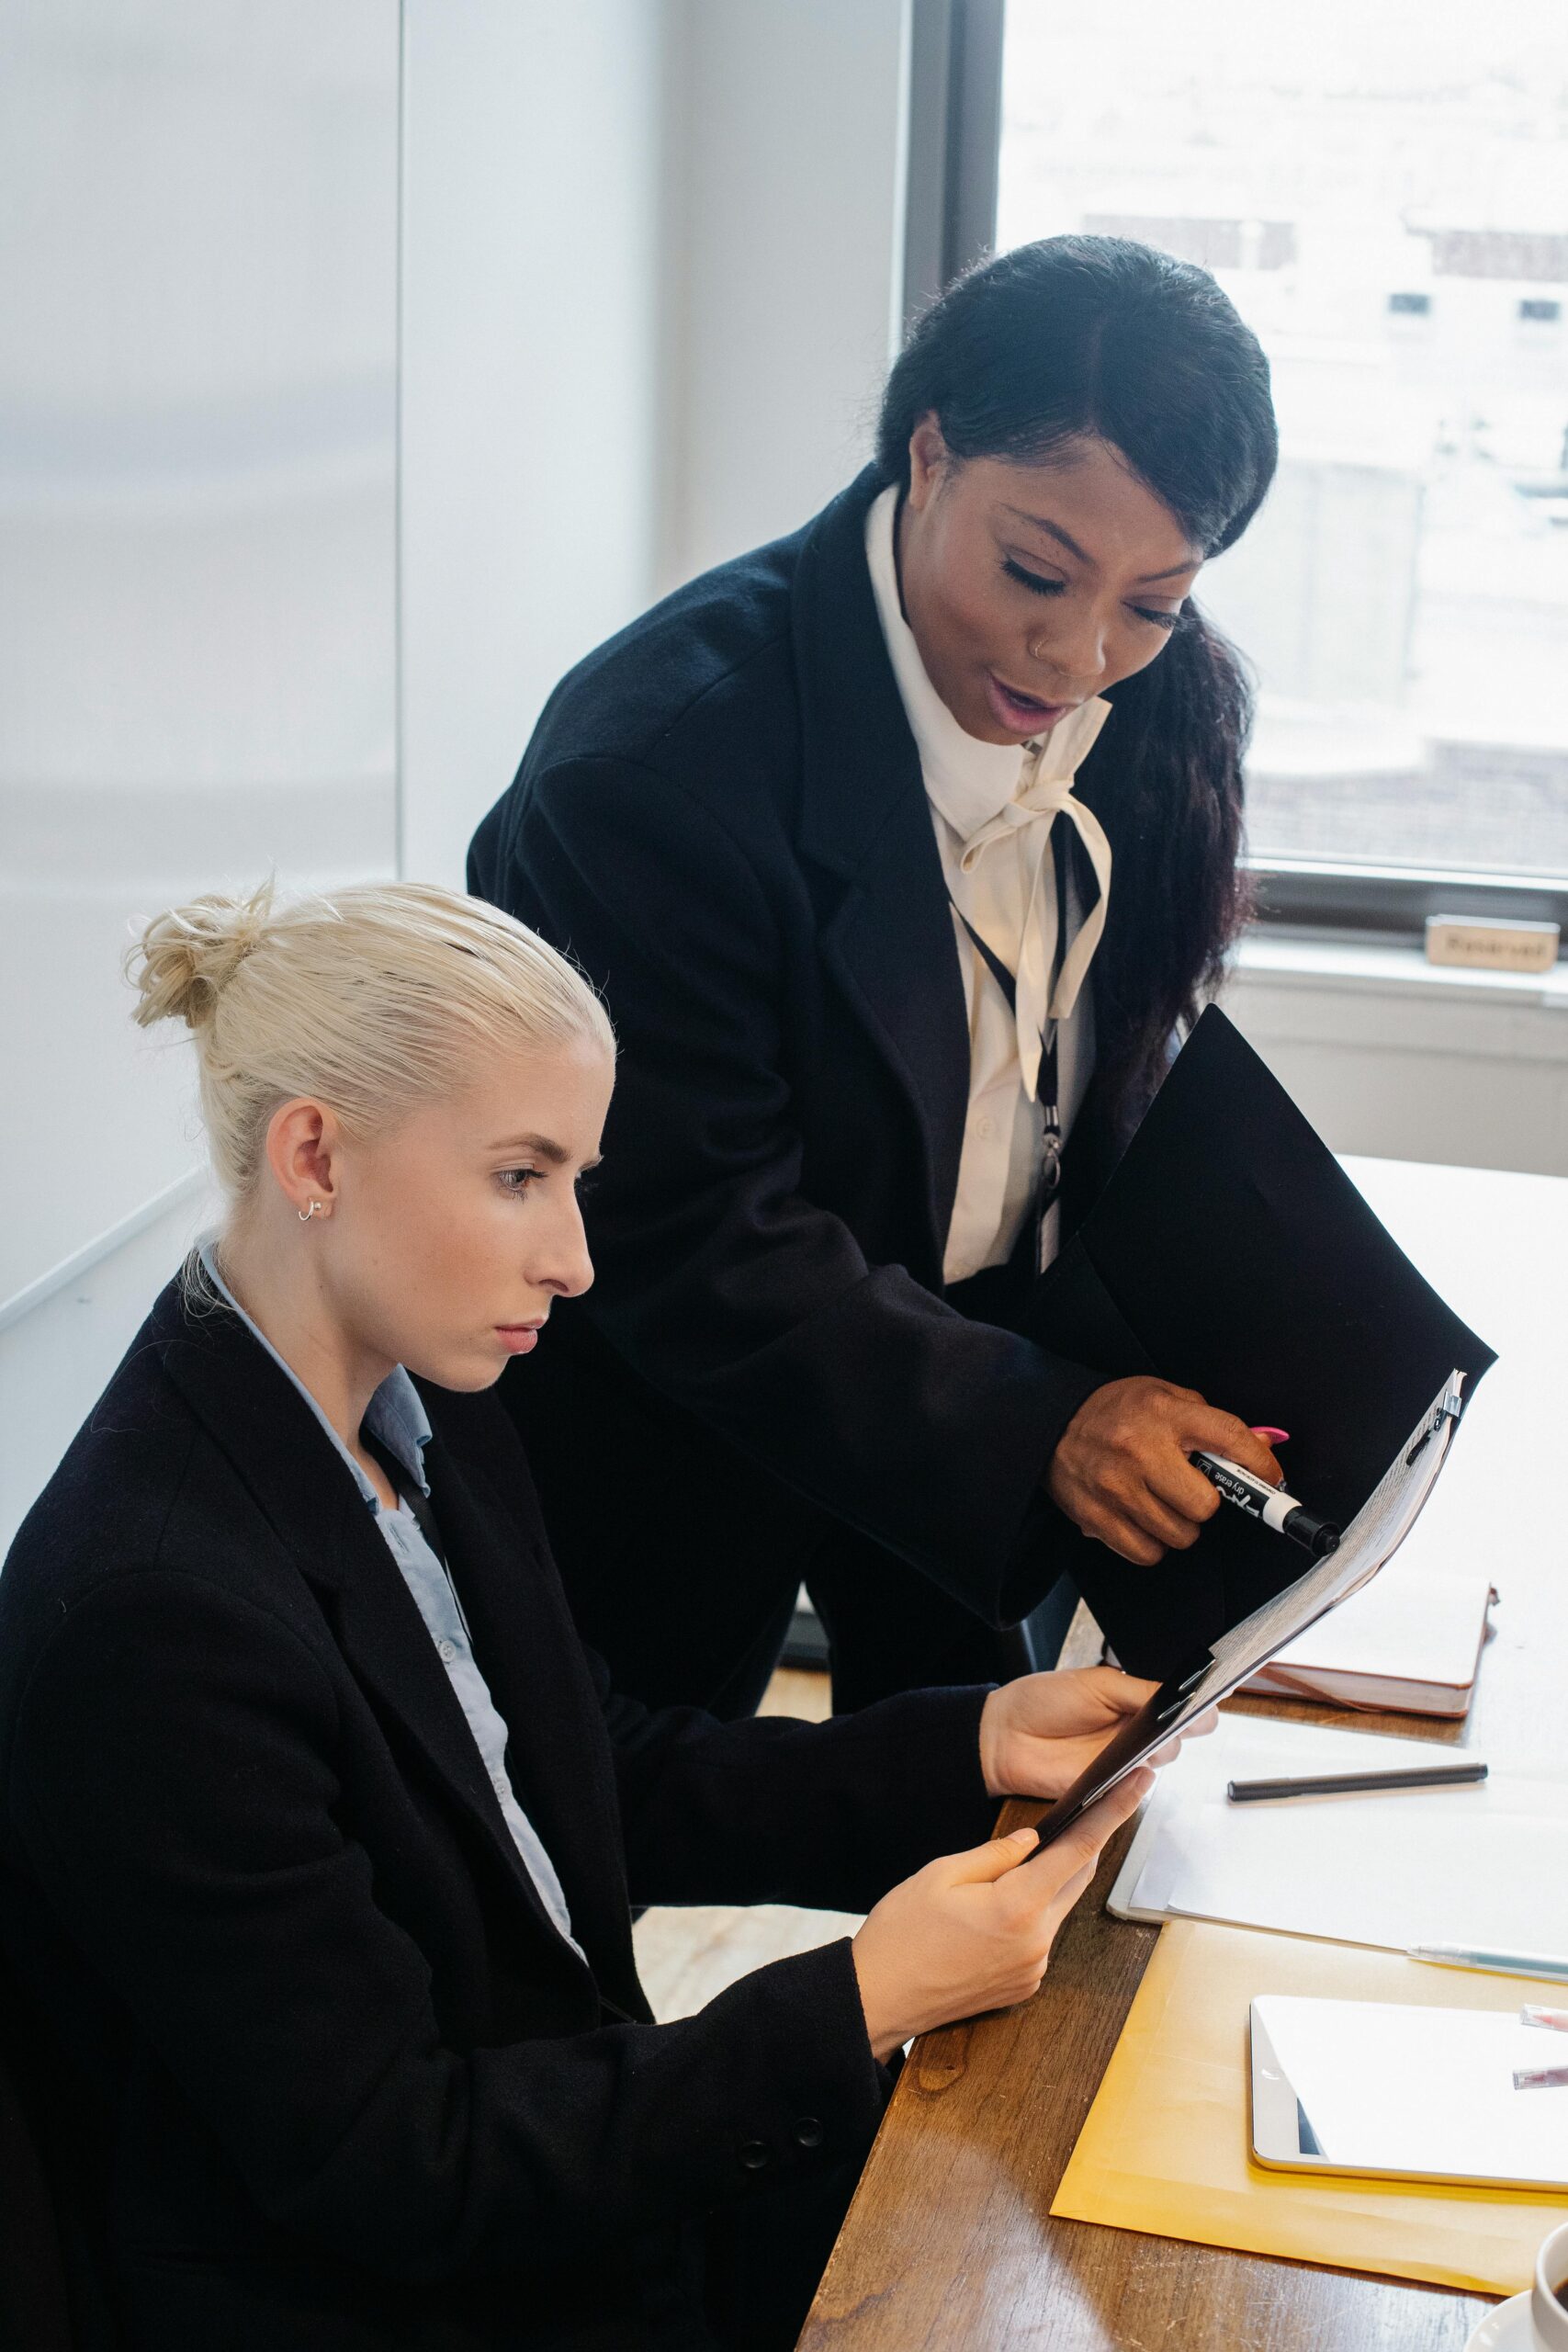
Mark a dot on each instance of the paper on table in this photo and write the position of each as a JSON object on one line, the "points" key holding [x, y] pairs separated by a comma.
{"points": [[1486, 1869], [1253, 1747], [1486, 1865], [1165, 2145], [1258, 1747]]}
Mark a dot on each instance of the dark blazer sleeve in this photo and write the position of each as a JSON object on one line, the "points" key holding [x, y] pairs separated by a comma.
{"points": [[719, 1281], [172, 1786], [771, 1810]]}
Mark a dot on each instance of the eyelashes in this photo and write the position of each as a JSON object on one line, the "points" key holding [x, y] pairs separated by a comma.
{"points": [[1039, 586], [519, 1181], [1032, 580]]}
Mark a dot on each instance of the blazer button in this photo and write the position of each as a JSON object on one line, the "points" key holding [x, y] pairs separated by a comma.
{"points": [[808, 2132], [754, 2154]]}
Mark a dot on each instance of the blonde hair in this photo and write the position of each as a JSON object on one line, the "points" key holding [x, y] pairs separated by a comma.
{"points": [[373, 1000]]}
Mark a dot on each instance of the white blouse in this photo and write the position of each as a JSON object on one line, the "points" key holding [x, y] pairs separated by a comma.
{"points": [[993, 807]]}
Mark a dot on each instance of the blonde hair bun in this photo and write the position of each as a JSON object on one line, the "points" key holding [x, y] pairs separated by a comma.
{"points": [[186, 958], [373, 998]]}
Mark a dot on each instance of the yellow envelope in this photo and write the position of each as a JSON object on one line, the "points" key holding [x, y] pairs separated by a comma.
{"points": [[1166, 2148]]}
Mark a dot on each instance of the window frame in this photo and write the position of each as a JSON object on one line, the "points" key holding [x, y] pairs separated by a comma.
{"points": [[953, 154]]}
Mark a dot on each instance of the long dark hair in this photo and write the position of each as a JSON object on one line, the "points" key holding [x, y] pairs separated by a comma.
{"points": [[1080, 335]]}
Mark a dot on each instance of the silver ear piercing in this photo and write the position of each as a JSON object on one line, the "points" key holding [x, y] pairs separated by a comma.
{"points": [[306, 1215]]}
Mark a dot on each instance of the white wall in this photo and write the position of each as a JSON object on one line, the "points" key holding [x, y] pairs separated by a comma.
{"points": [[530, 324], [1393, 1059], [650, 288], [197, 509], [198, 593], [784, 212], [55, 1359]]}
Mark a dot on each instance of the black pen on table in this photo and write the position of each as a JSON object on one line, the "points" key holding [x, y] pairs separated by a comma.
{"points": [[1335, 1784]]}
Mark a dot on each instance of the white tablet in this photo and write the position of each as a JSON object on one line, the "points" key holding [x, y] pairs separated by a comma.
{"points": [[1408, 2094]]}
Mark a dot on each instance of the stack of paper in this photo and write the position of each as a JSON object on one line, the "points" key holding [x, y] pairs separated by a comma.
{"points": [[1484, 1866]]}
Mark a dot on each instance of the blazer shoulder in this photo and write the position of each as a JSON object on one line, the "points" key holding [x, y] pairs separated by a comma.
{"points": [[714, 698], [116, 1482], [656, 690], [144, 1485]]}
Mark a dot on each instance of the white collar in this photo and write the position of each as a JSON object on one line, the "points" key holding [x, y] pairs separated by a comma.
{"points": [[967, 781]]}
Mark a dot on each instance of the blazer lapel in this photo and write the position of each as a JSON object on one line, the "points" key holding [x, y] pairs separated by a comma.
{"points": [[557, 1754], [888, 940], [279, 1450]]}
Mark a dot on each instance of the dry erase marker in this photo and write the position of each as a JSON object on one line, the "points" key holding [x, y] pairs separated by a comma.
{"points": [[1345, 1784], [1275, 1506]]}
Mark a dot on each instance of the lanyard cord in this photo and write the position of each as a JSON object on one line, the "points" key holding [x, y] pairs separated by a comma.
{"points": [[1048, 1090]]}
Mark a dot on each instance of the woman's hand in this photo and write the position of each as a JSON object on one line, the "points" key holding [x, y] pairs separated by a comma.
{"points": [[1038, 1734], [1120, 1471], [973, 1931]]}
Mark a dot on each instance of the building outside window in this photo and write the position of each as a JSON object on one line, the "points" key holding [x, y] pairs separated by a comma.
{"points": [[1384, 196]]}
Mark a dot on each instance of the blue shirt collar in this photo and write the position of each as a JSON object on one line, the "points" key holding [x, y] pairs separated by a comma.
{"points": [[395, 1414]]}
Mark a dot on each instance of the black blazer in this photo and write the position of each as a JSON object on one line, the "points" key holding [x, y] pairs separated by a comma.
{"points": [[721, 817], [334, 2078]]}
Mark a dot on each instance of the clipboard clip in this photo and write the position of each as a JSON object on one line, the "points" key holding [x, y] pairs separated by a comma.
{"points": [[1449, 1407]]}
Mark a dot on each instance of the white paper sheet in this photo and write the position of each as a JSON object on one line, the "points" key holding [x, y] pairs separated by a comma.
{"points": [[1483, 1865]]}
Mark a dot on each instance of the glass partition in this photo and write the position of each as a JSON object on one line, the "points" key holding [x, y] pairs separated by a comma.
{"points": [[198, 271]]}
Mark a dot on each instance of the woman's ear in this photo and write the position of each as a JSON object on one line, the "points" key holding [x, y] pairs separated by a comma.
{"points": [[927, 461], [301, 1141]]}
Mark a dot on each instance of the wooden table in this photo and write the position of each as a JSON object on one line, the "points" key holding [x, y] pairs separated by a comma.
{"points": [[950, 2241]]}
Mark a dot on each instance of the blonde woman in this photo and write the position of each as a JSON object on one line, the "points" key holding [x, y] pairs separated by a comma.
{"points": [[320, 1828]]}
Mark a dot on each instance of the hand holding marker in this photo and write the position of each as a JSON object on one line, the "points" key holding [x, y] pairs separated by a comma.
{"points": [[1273, 1505]]}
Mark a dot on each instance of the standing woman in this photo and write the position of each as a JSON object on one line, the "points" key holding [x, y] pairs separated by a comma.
{"points": [[902, 848]]}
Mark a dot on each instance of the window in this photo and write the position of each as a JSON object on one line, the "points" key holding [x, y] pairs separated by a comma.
{"points": [[1383, 197]]}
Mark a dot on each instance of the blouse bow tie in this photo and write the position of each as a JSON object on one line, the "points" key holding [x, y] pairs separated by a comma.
{"points": [[1045, 792]]}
